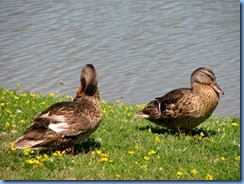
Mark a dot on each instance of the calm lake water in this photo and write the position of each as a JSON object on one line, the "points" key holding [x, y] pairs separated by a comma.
{"points": [[141, 49]]}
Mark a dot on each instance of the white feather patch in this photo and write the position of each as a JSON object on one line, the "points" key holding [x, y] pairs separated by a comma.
{"points": [[59, 127]]}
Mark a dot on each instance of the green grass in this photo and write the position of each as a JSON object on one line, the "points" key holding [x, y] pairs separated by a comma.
{"points": [[122, 148]]}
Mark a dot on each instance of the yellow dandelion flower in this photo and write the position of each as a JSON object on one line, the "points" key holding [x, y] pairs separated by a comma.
{"points": [[16, 97], [22, 121], [46, 157], [31, 161], [146, 158], [103, 110], [2, 104], [131, 152], [98, 152], [7, 124], [51, 94], [234, 124], [238, 157], [179, 173], [33, 95], [202, 134], [24, 94], [27, 102], [194, 171], [38, 157], [4, 92], [157, 139], [57, 154], [43, 103], [117, 101], [136, 147], [136, 162], [160, 168], [104, 102], [27, 151], [117, 175], [111, 160], [209, 177], [152, 152], [8, 111], [143, 166], [12, 147], [223, 158], [104, 159]]}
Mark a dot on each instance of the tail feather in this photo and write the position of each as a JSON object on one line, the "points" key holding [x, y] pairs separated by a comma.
{"points": [[22, 143], [141, 115]]}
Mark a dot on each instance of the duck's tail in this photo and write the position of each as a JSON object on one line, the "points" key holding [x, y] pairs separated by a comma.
{"points": [[23, 143], [151, 111]]}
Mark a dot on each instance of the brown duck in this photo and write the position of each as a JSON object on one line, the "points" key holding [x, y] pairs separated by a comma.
{"points": [[185, 108], [64, 124]]}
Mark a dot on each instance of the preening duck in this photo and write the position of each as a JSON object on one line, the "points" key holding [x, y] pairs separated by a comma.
{"points": [[64, 124], [185, 108]]}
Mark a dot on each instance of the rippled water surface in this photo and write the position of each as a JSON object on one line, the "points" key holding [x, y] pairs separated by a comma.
{"points": [[141, 49]]}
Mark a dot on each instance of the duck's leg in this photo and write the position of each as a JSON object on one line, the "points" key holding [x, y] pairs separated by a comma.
{"points": [[188, 132], [72, 150], [179, 131]]}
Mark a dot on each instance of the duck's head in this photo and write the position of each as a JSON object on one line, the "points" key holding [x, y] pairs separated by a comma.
{"points": [[88, 81], [205, 76]]}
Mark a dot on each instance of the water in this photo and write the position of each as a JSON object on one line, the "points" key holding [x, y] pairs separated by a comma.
{"points": [[141, 49]]}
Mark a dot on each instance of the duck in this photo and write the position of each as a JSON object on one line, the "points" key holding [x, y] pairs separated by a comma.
{"points": [[64, 124], [185, 108]]}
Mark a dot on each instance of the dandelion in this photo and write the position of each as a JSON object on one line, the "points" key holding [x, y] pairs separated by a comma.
{"points": [[136, 162], [22, 121], [194, 171], [33, 95], [179, 173], [238, 157], [136, 147], [202, 134], [16, 97], [98, 152], [117, 101], [43, 103], [103, 110], [104, 159], [31, 161], [209, 177], [12, 147], [144, 166], [58, 153], [152, 152], [146, 158], [51, 94], [234, 124], [2, 104], [157, 139], [104, 102], [117, 175], [223, 158], [46, 157], [27, 151], [9, 111], [27, 102], [24, 94], [131, 152], [7, 124]]}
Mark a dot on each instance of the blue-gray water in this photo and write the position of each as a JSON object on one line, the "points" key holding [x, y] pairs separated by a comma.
{"points": [[141, 49]]}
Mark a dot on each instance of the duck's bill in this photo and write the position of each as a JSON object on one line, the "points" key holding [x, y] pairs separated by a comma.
{"points": [[80, 90], [217, 88]]}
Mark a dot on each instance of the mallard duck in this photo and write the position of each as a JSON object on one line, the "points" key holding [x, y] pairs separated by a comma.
{"points": [[185, 108], [64, 124]]}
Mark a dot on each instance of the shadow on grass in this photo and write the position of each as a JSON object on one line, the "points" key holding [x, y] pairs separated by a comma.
{"points": [[87, 146], [83, 147], [165, 131]]}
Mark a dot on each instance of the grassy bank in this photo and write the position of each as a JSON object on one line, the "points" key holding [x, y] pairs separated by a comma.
{"points": [[123, 147]]}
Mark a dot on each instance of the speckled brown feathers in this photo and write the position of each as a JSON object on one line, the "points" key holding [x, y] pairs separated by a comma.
{"points": [[185, 108], [66, 123]]}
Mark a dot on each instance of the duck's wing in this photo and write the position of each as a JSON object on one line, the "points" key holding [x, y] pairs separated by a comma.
{"points": [[174, 102], [163, 106], [55, 122]]}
